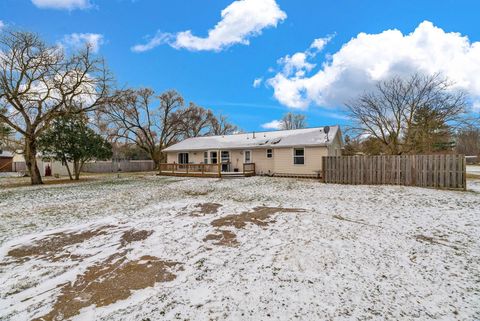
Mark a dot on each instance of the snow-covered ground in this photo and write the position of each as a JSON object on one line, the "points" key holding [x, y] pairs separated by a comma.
{"points": [[156, 248], [473, 169]]}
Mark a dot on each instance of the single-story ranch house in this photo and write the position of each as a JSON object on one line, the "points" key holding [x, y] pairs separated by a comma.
{"points": [[296, 152]]}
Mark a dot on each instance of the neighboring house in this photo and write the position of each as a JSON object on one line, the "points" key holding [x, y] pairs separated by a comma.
{"points": [[56, 167], [6, 161], [296, 152]]}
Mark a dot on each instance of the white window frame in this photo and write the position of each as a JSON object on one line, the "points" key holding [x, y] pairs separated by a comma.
{"points": [[205, 157], [295, 156], [245, 156], [210, 156], [271, 154], [221, 156]]}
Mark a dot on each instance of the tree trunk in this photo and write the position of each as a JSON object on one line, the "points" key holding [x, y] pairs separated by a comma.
{"points": [[30, 154], [68, 168], [156, 164], [76, 168]]}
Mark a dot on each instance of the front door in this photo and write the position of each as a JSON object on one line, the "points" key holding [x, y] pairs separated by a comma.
{"points": [[248, 157]]}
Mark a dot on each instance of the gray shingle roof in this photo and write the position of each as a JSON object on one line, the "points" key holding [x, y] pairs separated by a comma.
{"points": [[280, 138]]}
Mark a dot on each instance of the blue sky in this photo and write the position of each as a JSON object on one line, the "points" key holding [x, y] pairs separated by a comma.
{"points": [[275, 47]]}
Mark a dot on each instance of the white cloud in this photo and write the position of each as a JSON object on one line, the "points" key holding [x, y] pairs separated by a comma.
{"points": [[62, 4], [257, 82], [2, 24], [79, 40], [368, 58], [159, 39], [320, 43], [274, 124], [240, 21]]}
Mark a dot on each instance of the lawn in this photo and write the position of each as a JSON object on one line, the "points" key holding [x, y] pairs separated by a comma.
{"points": [[143, 247]]}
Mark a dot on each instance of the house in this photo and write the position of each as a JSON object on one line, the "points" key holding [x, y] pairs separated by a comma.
{"points": [[6, 161], [296, 152], [55, 167]]}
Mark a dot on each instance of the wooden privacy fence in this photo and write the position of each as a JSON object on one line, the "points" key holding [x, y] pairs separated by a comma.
{"points": [[439, 171], [121, 166]]}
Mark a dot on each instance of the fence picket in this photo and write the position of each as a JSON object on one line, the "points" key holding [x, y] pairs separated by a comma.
{"points": [[439, 171]]}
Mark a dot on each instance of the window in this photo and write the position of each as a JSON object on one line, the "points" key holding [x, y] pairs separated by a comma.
{"points": [[248, 156], [269, 153], [213, 158], [183, 158], [298, 156], [205, 157], [225, 156]]}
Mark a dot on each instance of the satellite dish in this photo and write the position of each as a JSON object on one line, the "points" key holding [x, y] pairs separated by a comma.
{"points": [[326, 129]]}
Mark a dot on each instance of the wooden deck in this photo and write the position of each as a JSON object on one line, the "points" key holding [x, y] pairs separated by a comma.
{"points": [[204, 170]]}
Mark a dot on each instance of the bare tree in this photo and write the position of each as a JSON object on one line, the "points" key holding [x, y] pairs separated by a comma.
{"points": [[293, 121], [392, 113], [39, 83], [194, 121], [468, 141], [220, 125], [139, 116]]}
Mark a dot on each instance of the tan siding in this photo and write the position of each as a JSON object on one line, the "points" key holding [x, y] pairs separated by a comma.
{"points": [[335, 148], [193, 157], [263, 165], [283, 161]]}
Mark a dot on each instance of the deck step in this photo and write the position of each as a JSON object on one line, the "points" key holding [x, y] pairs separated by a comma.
{"points": [[233, 175]]}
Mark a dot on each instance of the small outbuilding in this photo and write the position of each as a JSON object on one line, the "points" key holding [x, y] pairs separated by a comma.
{"points": [[6, 161]]}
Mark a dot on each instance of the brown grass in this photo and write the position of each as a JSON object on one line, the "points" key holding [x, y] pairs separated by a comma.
{"points": [[341, 218], [260, 216], [437, 241], [52, 247], [108, 282], [224, 237], [206, 209], [473, 176], [133, 235], [22, 182]]}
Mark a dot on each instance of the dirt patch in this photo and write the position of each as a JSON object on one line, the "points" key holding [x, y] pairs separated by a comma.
{"points": [[52, 247], [108, 282], [133, 235], [260, 216], [206, 209], [224, 237]]}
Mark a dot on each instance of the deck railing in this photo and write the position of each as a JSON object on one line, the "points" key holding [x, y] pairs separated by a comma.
{"points": [[249, 169], [201, 170]]}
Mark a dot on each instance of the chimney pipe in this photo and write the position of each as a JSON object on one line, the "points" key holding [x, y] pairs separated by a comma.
{"points": [[253, 135]]}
